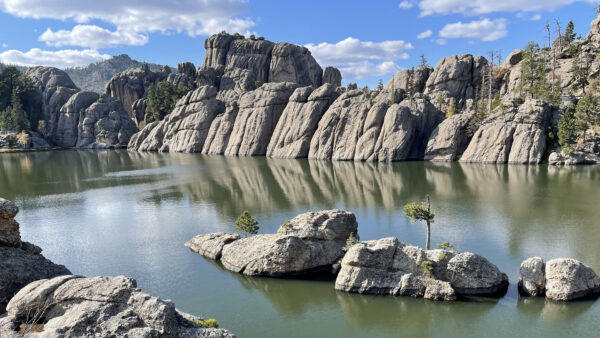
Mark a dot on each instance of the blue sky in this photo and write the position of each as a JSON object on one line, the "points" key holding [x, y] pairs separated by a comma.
{"points": [[366, 40]]}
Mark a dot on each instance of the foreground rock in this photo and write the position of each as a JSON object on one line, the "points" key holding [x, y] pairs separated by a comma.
{"points": [[73, 306], [388, 267], [20, 262], [560, 279], [309, 243]]}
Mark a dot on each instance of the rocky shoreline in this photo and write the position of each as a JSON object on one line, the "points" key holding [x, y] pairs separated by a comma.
{"points": [[40, 298], [314, 242]]}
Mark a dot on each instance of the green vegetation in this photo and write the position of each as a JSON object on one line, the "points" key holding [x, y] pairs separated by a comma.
{"points": [[451, 110], [421, 212], [247, 224], [410, 90], [570, 35], [445, 245], [379, 85], [423, 62], [533, 82], [350, 241], [427, 267], [587, 113], [287, 226], [581, 70], [162, 98], [209, 323], [15, 89], [257, 84], [567, 130]]}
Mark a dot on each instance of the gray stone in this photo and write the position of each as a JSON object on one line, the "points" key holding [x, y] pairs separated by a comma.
{"points": [[513, 58], [332, 76], [298, 123], [8, 210], [455, 77], [403, 78], [569, 279], [211, 245], [327, 225], [471, 274], [68, 120], [9, 228], [532, 280], [220, 132], [258, 115], [131, 84], [292, 63], [187, 68], [449, 139], [73, 306], [439, 290]]}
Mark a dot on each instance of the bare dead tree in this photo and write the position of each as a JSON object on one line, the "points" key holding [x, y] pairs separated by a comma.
{"points": [[490, 82], [547, 26], [560, 45]]}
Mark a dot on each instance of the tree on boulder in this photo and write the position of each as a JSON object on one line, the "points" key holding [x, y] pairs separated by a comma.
{"points": [[587, 113], [567, 130], [570, 35], [533, 82], [14, 117], [421, 212], [246, 223]]}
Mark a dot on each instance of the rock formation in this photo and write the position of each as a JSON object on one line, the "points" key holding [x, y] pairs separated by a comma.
{"points": [[74, 306], [309, 243], [387, 266], [560, 279], [20, 262], [332, 76]]}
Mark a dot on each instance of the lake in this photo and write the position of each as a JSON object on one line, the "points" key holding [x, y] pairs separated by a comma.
{"points": [[116, 212]]}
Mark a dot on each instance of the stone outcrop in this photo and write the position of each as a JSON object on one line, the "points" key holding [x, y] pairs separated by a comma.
{"points": [[560, 279], [74, 306], [258, 115], [517, 136], [20, 262], [67, 132], [332, 76], [389, 267], [105, 124], [268, 61], [309, 243], [130, 85], [186, 128], [456, 77], [417, 78], [449, 139], [298, 123]]}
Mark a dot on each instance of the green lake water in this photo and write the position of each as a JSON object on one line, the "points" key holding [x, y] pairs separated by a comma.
{"points": [[115, 212]]}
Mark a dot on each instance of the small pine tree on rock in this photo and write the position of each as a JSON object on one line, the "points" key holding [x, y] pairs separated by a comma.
{"points": [[247, 224], [421, 212]]}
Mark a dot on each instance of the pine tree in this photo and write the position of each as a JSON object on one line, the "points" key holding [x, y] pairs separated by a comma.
{"points": [[586, 112], [580, 69], [246, 223], [380, 85], [423, 61], [570, 35], [533, 82], [421, 212], [567, 130], [19, 115]]}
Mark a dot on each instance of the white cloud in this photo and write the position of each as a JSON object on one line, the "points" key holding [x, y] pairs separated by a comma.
{"points": [[425, 34], [91, 36], [477, 7], [484, 29], [536, 17], [358, 59], [4, 45], [405, 5], [136, 17], [61, 59], [440, 42]]}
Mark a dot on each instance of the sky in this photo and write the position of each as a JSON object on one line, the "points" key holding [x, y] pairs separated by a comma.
{"points": [[366, 40]]}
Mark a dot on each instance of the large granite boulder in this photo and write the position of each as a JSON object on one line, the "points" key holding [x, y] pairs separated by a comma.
{"points": [[332, 76], [9, 228], [53, 88], [340, 127], [292, 63], [131, 84], [517, 136], [471, 274], [532, 277], [405, 78], [73, 306], [234, 83], [388, 267], [220, 131], [456, 77], [67, 129], [406, 129], [258, 115], [309, 243], [105, 124], [186, 128], [217, 47], [449, 139], [20, 262], [569, 279], [298, 123], [251, 54]]}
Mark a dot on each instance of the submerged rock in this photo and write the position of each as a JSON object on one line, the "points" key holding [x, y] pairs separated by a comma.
{"points": [[73, 306], [532, 277], [211, 245]]}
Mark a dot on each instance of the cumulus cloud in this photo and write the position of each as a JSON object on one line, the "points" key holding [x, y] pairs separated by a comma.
{"points": [[477, 7], [133, 18], [484, 29], [91, 36], [405, 5], [358, 59], [61, 59], [425, 34]]}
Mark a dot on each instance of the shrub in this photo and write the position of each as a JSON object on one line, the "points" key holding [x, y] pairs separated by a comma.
{"points": [[350, 241], [427, 267], [287, 226], [209, 323], [246, 223], [445, 245]]}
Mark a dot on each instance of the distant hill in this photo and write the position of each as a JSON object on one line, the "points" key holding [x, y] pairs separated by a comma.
{"points": [[94, 76]]}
